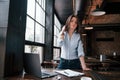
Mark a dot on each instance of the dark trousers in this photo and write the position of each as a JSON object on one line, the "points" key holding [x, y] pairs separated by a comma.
{"points": [[69, 64]]}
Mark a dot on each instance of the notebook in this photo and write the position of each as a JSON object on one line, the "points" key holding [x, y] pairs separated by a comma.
{"points": [[32, 66], [69, 73]]}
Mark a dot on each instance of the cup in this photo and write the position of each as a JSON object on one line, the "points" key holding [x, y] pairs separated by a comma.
{"points": [[86, 78]]}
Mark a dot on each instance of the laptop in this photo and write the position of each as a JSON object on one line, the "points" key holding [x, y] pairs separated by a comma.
{"points": [[32, 66]]}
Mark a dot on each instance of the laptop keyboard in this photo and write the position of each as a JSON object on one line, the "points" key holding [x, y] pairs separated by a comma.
{"points": [[45, 74], [48, 74]]}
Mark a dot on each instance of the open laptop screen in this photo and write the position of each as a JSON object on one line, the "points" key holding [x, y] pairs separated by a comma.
{"points": [[32, 66]]}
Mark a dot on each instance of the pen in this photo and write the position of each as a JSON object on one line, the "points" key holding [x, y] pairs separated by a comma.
{"points": [[66, 72]]}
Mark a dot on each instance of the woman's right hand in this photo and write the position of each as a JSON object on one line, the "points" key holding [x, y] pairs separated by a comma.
{"points": [[63, 29], [62, 32]]}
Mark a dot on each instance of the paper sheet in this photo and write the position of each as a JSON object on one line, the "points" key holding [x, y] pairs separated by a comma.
{"points": [[69, 73]]}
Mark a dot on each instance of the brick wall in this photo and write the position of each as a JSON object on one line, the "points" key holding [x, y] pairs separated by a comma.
{"points": [[106, 42]]}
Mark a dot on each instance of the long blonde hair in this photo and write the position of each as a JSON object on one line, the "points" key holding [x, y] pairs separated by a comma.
{"points": [[68, 21]]}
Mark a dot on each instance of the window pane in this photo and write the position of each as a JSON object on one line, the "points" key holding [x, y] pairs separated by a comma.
{"points": [[31, 8], [44, 4], [34, 49], [56, 54], [29, 30], [39, 33], [57, 23], [40, 2], [57, 28], [55, 40], [56, 32], [40, 15]]}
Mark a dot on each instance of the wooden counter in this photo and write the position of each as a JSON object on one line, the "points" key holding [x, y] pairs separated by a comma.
{"points": [[108, 64], [94, 75]]}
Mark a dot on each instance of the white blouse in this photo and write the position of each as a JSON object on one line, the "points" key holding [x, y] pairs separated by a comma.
{"points": [[71, 48]]}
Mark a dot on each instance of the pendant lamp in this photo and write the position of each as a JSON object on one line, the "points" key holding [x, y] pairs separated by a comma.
{"points": [[98, 12]]}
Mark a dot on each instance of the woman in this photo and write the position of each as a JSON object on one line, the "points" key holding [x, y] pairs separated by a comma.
{"points": [[72, 54]]}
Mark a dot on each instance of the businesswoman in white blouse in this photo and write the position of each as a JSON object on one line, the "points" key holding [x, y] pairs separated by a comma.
{"points": [[72, 54]]}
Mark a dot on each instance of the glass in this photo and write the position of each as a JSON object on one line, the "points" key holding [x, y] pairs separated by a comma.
{"points": [[39, 33], [57, 27], [56, 54], [40, 15], [29, 35], [55, 40], [34, 49], [31, 8]]}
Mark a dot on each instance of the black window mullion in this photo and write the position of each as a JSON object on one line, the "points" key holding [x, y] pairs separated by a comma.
{"points": [[35, 21], [42, 7], [34, 43]]}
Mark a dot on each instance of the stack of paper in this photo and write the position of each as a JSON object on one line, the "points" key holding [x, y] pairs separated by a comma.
{"points": [[69, 73]]}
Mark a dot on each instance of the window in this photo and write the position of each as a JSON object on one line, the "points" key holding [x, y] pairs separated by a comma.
{"points": [[57, 28], [34, 49], [39, 34], [56, 53], [35, 27], [29, 29], [31, 8]]}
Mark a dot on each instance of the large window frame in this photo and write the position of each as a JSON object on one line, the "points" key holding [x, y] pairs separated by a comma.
{"points": [[35, 25]]}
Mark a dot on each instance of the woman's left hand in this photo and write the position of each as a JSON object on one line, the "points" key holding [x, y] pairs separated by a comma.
{"points": [[86, 69]]}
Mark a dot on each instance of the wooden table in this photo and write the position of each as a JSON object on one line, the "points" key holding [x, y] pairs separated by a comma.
{"points": [[96, 64], [94, 75]]}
